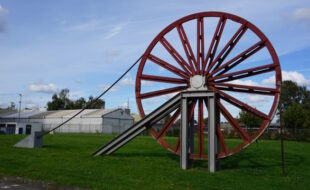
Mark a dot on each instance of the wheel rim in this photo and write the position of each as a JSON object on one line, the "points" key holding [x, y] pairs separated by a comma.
{"points": [[213, 63]]}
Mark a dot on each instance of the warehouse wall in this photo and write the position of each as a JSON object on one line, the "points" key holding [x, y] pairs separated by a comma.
{"points": [[20, 125], [76, 125], [117, 122], [113, 122]]}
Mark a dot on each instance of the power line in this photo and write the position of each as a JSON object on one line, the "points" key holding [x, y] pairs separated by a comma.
{"points": [[95, 100]]}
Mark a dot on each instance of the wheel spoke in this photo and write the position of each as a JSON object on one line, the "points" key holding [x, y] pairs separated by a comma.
{"points": [[177, 57], [169, 123], [177, 145], [244, 73], [245, 88], [163, 79], [206, 103], [214, 44], [221, 138], [191, 113], [233, 122], [187, 47], [240, 104], [162, 92], [239, 58], [200, 43], [200, 127], [167, 66], [229, 47], [219, 132]]}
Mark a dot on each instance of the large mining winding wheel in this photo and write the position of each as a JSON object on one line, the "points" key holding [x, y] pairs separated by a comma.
{"points": [[214, 51]]}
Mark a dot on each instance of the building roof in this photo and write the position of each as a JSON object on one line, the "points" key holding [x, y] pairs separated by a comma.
{"points": [[4, 112], [98, 112], [90, 113], [42, 114], [22, 115], [85, 113]]}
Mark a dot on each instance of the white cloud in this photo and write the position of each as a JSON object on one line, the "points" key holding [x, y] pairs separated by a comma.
{"points": [[146, 83], [3, 105], [78, 81], [269, 81], [89, 25], [131, 82], [113, 89], [3, 15], [114, 31], [77, 94], [289, 75], [124, 105], [45, 88], [111, 53], [30, 104], [127, 82], [254, 99], [302, 14], [244, 82]]}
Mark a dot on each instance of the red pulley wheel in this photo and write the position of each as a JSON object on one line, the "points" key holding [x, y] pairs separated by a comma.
{"points": [[198, 54]]}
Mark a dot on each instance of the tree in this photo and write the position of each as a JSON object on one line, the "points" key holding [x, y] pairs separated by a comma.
{"points": [[248, 119], [55, 104], [99, 104], [295, 105], [79, 103], [166, 118], [305, 102], [61, 101], [292, 93], [205, 120], [296, 117]]}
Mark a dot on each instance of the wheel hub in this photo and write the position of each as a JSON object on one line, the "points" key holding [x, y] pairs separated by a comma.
{"points": [[198, 82]]}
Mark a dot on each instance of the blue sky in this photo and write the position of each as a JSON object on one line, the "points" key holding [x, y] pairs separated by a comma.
{"points": [[86, 45]]}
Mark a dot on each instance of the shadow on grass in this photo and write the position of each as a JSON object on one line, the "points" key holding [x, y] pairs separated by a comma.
{"points": [[146, 154], [252, 161]]}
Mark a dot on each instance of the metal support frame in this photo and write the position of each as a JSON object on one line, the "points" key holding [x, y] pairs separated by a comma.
{"points": [[210, 67], [184, 152], [187, 133], [139, 127], [213, 144]]}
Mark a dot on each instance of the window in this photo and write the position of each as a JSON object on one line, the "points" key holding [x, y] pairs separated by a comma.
{"points": [[28, 129], [2, 128], [10, 128]]}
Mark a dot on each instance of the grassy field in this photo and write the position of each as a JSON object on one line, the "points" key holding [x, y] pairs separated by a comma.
{"points": [[144, 164]]}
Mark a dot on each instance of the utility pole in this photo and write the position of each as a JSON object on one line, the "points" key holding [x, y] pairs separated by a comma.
{"points": [[20, 105], [128, 102]]}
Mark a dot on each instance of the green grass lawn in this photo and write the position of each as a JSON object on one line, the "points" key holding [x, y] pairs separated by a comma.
{"points": [[144, 164]]}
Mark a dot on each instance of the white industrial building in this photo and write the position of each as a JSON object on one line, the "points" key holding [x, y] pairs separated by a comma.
{"points": [[89, 121]]}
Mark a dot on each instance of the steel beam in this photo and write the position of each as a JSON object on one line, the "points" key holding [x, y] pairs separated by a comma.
{"points": [[213, 146], [191, 137], [138, 127], [184, 151]]}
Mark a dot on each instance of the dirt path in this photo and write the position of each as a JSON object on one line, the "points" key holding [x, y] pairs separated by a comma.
{"points": [[17, 183]]}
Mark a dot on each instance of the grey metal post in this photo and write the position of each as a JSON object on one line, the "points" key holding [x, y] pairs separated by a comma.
{"points": [[184, 154], [212, 137], [191, 137], [218, 121]]}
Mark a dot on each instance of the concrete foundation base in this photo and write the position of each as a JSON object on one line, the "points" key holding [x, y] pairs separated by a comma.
{"points": [[34, 140]]}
